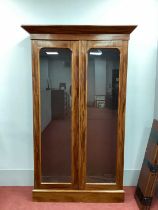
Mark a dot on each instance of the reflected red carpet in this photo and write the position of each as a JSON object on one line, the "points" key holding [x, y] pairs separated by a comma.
{"points": [[101, 147], [19, 198]]}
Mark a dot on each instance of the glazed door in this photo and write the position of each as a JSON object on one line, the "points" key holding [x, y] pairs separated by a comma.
{"points": [[102, 108], [55, 81]]}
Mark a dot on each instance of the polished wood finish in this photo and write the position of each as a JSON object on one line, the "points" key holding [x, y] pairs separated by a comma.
{"points": [[82, 114], [152, 148], [36, 46], [78, 29], [121, 113], [149, 171], [122, 47], [75, 115], [79, 39], [111, 196], [147, 181], [36, 115]]}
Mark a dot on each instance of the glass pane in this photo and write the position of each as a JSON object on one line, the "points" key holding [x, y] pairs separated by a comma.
{"points": [[55, 89], [102, 105]]}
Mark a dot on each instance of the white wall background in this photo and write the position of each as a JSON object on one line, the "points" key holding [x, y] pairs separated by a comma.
{"points": [[16, 136], [156, 89]]}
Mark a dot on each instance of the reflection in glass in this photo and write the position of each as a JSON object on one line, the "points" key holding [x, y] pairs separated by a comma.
{"points": [[102, 105], [55, 90]]}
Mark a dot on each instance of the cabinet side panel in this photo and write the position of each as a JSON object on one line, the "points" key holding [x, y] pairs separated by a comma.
{"points": [[121, 113], [36, 115]]}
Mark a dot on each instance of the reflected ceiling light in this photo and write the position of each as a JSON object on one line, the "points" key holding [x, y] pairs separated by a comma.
{"points": [[52, 53], [98, 52]]}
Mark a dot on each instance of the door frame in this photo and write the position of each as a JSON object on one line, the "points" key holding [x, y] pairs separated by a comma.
{"points": [[37, 45], [84, 46]]}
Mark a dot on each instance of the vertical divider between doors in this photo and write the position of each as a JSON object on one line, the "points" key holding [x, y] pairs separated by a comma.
{"points": [[75, 114], [82, 113]]}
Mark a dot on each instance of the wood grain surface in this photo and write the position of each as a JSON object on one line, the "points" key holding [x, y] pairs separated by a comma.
{"points": [[110, 196], [78, 29], [79, 39]]}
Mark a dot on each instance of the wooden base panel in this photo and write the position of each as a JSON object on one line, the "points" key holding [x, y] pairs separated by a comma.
{"points": [[104, 196]]}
